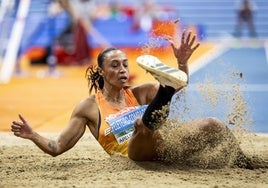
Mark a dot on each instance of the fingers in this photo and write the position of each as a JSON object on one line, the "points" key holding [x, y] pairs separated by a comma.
{"points": [[170, 40], [167, 37], [183, 36], [196, 46], [16, 128], [192, 40], [18, 123], [22, 119], [186, 42], [188, 37], [183, 41]]}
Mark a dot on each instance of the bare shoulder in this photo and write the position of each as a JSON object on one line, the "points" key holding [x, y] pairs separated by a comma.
{"points": [[87, 112], [144, 93], [87, 107], [87, 103]]}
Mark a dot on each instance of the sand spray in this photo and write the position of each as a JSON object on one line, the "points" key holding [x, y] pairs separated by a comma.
{"points": [[181, 144]]}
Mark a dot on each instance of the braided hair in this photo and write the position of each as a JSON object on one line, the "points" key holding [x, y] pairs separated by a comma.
{"points": [[95, 80]]}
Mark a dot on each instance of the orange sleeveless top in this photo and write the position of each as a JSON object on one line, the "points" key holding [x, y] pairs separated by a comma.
{"points": [[115, 127]]}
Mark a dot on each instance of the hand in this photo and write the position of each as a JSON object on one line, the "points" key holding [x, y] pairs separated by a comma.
{"points": [[21, 128], [186, 48]]}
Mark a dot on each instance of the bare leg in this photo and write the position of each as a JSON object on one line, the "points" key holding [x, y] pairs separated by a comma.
{"points": [[251, 27], [211, 131], [142, 145], [200, 133], [238, 28]]}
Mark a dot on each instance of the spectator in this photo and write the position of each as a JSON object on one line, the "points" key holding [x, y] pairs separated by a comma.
{"points": [[245, 14], [82, 14], [146, 12], [54, 9]]}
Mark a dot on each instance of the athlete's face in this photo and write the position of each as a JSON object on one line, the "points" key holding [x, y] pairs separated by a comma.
{"points": [[115, 68]]}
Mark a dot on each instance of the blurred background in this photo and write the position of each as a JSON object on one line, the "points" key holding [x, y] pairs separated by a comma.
{"points": [[46, 46]]}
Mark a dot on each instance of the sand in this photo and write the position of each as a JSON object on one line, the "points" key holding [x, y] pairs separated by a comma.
{"points": [[22, 164]]}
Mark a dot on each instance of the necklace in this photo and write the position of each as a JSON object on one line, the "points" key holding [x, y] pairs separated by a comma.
{"points": [[117, 102]]}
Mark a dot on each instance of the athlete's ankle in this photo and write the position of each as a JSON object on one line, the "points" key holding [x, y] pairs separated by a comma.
{"points": [[157, 111]]}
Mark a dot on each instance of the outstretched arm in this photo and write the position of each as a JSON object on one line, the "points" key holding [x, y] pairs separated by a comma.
{"points": [[66, 140], [183, 51]]}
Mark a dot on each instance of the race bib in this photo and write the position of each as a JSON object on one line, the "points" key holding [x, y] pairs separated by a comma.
{"points": [[122, 123]]}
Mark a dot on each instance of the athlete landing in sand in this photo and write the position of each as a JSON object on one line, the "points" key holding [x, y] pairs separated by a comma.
{"points": [[134, 135]]}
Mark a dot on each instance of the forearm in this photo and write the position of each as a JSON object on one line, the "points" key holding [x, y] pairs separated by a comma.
{"points": [[49, 146], [66, 140]]}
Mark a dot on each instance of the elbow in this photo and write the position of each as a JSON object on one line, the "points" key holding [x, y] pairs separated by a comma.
{"points": [[54, 154], [54, 149]]}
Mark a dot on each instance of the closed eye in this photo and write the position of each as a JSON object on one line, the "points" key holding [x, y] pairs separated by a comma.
{"points": [[125, 64], [115, 64]]}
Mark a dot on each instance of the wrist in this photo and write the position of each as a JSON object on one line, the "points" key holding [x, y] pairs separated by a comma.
{"points": [[33, 136], [182, 65]]}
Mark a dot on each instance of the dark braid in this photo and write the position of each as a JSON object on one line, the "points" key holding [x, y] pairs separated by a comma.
{"points": [[95, 80]]}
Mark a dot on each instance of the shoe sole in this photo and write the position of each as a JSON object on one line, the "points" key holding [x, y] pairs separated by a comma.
{"points": [[175, 78]]}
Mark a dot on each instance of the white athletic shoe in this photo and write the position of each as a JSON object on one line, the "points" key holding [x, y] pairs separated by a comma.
{"points": [[167, 76]]}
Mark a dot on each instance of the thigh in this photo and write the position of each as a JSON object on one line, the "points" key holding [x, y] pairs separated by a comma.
{"points": [[208, 125], [142, 145], [201, 133]]}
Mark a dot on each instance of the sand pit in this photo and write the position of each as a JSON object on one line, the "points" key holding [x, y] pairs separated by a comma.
{"points": [[22, 164]]}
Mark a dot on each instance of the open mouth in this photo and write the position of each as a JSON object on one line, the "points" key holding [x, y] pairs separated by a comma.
{"points": [[124, 78]]}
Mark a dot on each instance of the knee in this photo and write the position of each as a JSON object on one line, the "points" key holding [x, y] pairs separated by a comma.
{"points": [[140, 128], [141, 133], [212, 124], [141, 146]]}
